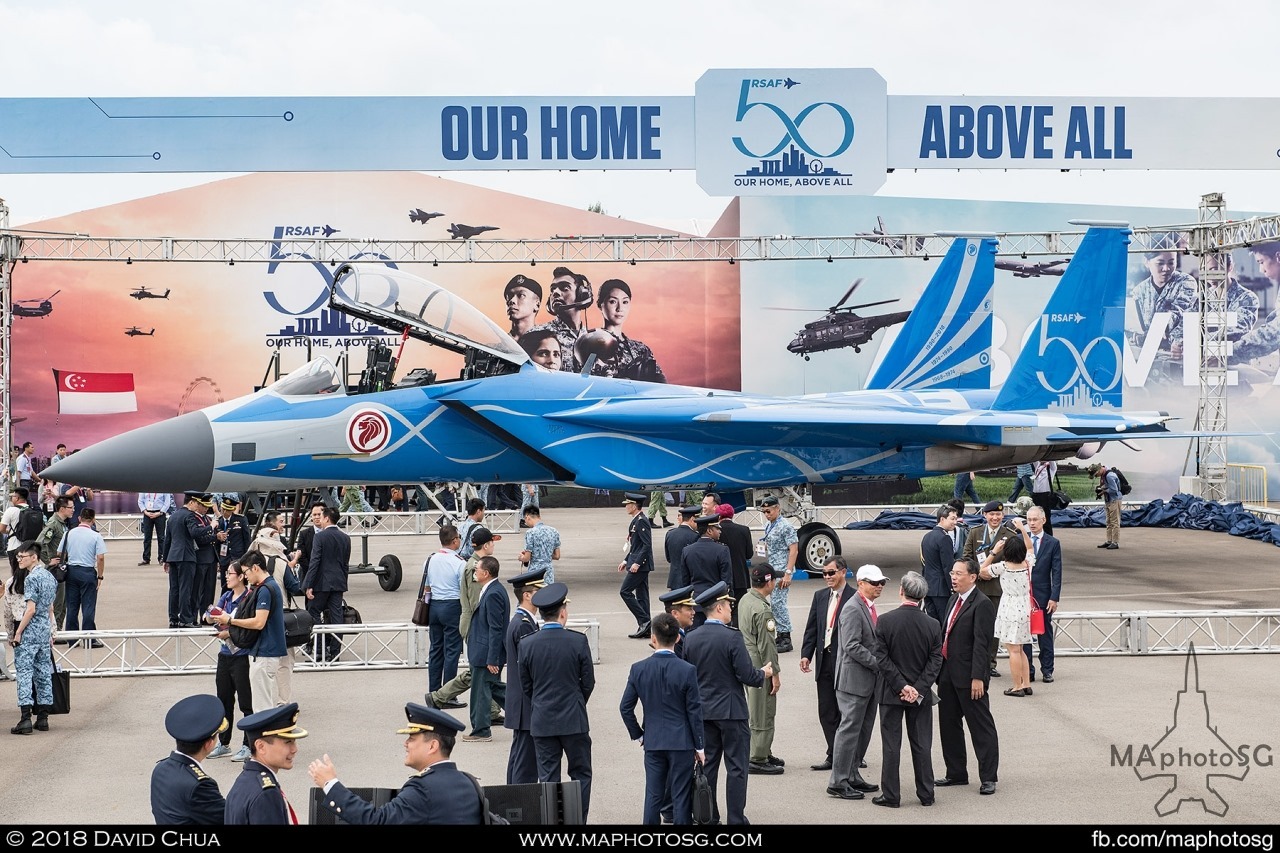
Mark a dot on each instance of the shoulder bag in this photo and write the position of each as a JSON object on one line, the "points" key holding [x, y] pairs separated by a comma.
{"points": [[1037, 618], [422, 604], [1061, 500]]}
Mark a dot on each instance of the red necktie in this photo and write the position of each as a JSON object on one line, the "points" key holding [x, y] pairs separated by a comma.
{"points": [[875, 620], [954, 613]]}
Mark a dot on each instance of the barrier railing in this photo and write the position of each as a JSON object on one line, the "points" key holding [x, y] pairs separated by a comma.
{"points": [[1247, 483]]}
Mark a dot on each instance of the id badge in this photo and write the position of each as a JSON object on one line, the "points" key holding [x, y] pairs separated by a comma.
{"points": [[222, 552], [761, 549]]}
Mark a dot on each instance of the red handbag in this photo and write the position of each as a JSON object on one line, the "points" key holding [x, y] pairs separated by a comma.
{"points": [[1037, 618]]}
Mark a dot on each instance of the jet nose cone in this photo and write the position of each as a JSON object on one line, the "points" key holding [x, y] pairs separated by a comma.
{"points": [[171, 456]]}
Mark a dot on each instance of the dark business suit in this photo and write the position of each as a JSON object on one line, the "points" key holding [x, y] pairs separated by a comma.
{"points": [[182, 793], [522, 766], [937, 555], [206, 587], [724, 669], [441, 794], [965, 649], [673, 545], [737, 538], [822, 659], [557, 677], [1046, 586], [667, 687], [485, 648], [857, 683], [326, 577], [635, 585], [185, 535], [704, 564], [910, 654]]}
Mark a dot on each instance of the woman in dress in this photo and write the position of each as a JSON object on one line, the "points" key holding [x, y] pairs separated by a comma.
{"points": [[1010, 561]]}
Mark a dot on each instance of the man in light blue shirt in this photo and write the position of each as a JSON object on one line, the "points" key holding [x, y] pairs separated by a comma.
{"points": [[444, 578], [86, 561], [155, 508]]}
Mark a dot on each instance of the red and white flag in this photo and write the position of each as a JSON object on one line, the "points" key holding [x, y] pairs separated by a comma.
{"points": [[81, 393]]}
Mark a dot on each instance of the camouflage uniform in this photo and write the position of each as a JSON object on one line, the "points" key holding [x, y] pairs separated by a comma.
{"points": [[1263, 340], [1177, 298], [33, 657], [755, 620], [633, 360]]}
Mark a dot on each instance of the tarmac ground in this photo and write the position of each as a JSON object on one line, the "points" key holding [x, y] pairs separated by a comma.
{"points": [[1058, 748]]}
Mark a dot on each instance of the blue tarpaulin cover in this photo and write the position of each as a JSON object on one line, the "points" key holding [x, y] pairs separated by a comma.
{"points": [[1182, 511]]}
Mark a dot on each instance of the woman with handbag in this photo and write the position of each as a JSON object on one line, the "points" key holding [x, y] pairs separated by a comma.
{"points": [[232, 676], [1013, 619]]}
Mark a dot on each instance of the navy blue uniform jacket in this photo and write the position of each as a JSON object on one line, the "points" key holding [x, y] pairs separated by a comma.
{"points": [[557, 677], [255, 798], [704, 564], [182, 793], [439, 794], [724, 669], [517, 711], [667, 687]]}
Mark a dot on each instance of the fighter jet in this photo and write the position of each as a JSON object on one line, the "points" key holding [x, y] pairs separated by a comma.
{"points": [[34, 307], [134, 331], [142, 293], [505, 419], [466, 232], [420, 215], [789, 82]]}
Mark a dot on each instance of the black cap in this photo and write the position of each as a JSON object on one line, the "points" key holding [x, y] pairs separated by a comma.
{"points": [[551, 595], [992, 506], [230, 503], [278, 722], [768, 501], [481, 536], [690, 511], [533, 577], [683, 595], [188, 497], [525, 282], [761, 575], [633, 498], [424, 719], [708, 520], [196, 718], [708, 597]]}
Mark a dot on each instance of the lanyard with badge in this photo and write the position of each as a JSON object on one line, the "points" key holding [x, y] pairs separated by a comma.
{"points": [[762, 548]]}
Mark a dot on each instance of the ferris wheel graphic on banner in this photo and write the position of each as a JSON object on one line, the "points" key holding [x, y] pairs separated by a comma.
{"points": [[201, 393]]}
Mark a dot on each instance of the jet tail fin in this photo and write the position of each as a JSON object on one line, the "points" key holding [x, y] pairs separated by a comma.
{"points": [[1074, 358], [946, 342]]}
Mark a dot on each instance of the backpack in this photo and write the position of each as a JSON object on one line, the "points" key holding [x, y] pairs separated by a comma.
{"points": [[1125, 488], [247, 638], [30, 523]]}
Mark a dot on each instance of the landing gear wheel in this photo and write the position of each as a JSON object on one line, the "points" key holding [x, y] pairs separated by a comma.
{"points": [[390, 580], [818, 543]]}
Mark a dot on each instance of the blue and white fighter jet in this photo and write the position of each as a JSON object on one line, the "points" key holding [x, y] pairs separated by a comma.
{"points": [[927, 410]]}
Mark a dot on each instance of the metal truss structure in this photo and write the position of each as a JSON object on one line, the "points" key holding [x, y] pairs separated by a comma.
{"points": [[1211, 236]]}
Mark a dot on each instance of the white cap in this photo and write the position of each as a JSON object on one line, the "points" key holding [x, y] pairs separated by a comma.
{"points": [[871, 573]]}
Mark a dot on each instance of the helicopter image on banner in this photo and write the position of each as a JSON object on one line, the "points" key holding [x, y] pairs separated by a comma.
{"points": [[141, 293], [842, 327], [134, 332], [34, 307]]}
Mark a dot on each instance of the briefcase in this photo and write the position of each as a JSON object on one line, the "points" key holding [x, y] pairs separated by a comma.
{"points": [[703, 798], [61, 692]]}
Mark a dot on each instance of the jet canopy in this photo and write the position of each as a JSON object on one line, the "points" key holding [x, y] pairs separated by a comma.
{"points": [[398, 300], [317, 376]]}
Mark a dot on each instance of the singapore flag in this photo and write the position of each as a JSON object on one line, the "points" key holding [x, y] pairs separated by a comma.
{"points": [[81, 393]]}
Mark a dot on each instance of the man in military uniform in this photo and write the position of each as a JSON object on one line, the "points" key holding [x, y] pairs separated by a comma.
{"points": [[724, 668], [437, 793], [755, 620], [780, 546], [679, 604], [185, 534], [181, 792], [31, 641], [256, 796], [637, 565], [1264, 338], [522, 763], [231, 536], [55, 527], [977, 545], [674, 543], [557, 677], [706, 562]]}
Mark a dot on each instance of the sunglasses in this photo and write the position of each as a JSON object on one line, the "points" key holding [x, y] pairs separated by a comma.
{"points": [[831, 574], [877, 583]]}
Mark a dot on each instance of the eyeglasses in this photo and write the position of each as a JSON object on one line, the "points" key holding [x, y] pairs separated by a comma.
{"points": [[831, 574], [877, 583], [28, 556]]}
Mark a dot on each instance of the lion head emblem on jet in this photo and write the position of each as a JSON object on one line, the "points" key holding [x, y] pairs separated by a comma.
{"points": [[368, 431]]}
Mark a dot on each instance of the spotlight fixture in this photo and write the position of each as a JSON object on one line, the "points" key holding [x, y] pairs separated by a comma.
{"points": [[231, 263], [731, 262], [633, 262], [926, 256], [128, 261], [332, 264], [435, 263], [534, 263], [24, 260], [1024, 256], [828, 259]]}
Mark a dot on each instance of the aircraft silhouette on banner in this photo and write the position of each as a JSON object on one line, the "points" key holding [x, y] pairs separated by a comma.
{"points": [[142, 293], [420, 215], [34, 307], [928, 409], [466, 232], [134, 331], [842, 327]]}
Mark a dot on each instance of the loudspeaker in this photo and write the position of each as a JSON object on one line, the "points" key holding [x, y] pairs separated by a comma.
{"points": [[538, 803], [319, 814]]}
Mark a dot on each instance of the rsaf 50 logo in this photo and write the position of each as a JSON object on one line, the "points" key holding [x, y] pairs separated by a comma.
{"points": [[282, 238], [791, 126], [1105, 373]]}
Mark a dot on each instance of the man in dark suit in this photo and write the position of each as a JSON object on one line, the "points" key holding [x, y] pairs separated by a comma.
{"points": [[977, 545], [680, 537], [437, 793], [937, 553], [822, 642], [637, 565], [326, 577], [724, 670], [672, 734], [1046, 586], [737, 538], [486, 651], [968, 629], [557, 677], [181, 792], [706, 562], [857, 683], [910, 656], [522, 764], [184, 536], [206, 586], [231, 533]]}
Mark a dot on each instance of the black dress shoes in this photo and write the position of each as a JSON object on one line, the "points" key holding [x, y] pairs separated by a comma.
{"points": [[987, 788], [761, 768], [822, 765], [864, 786], [642, 633], [862, 765], [844, 792], [451, 704], [926, 803], [946, 782], [881, 801], [995, 673], [776, 761]]}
